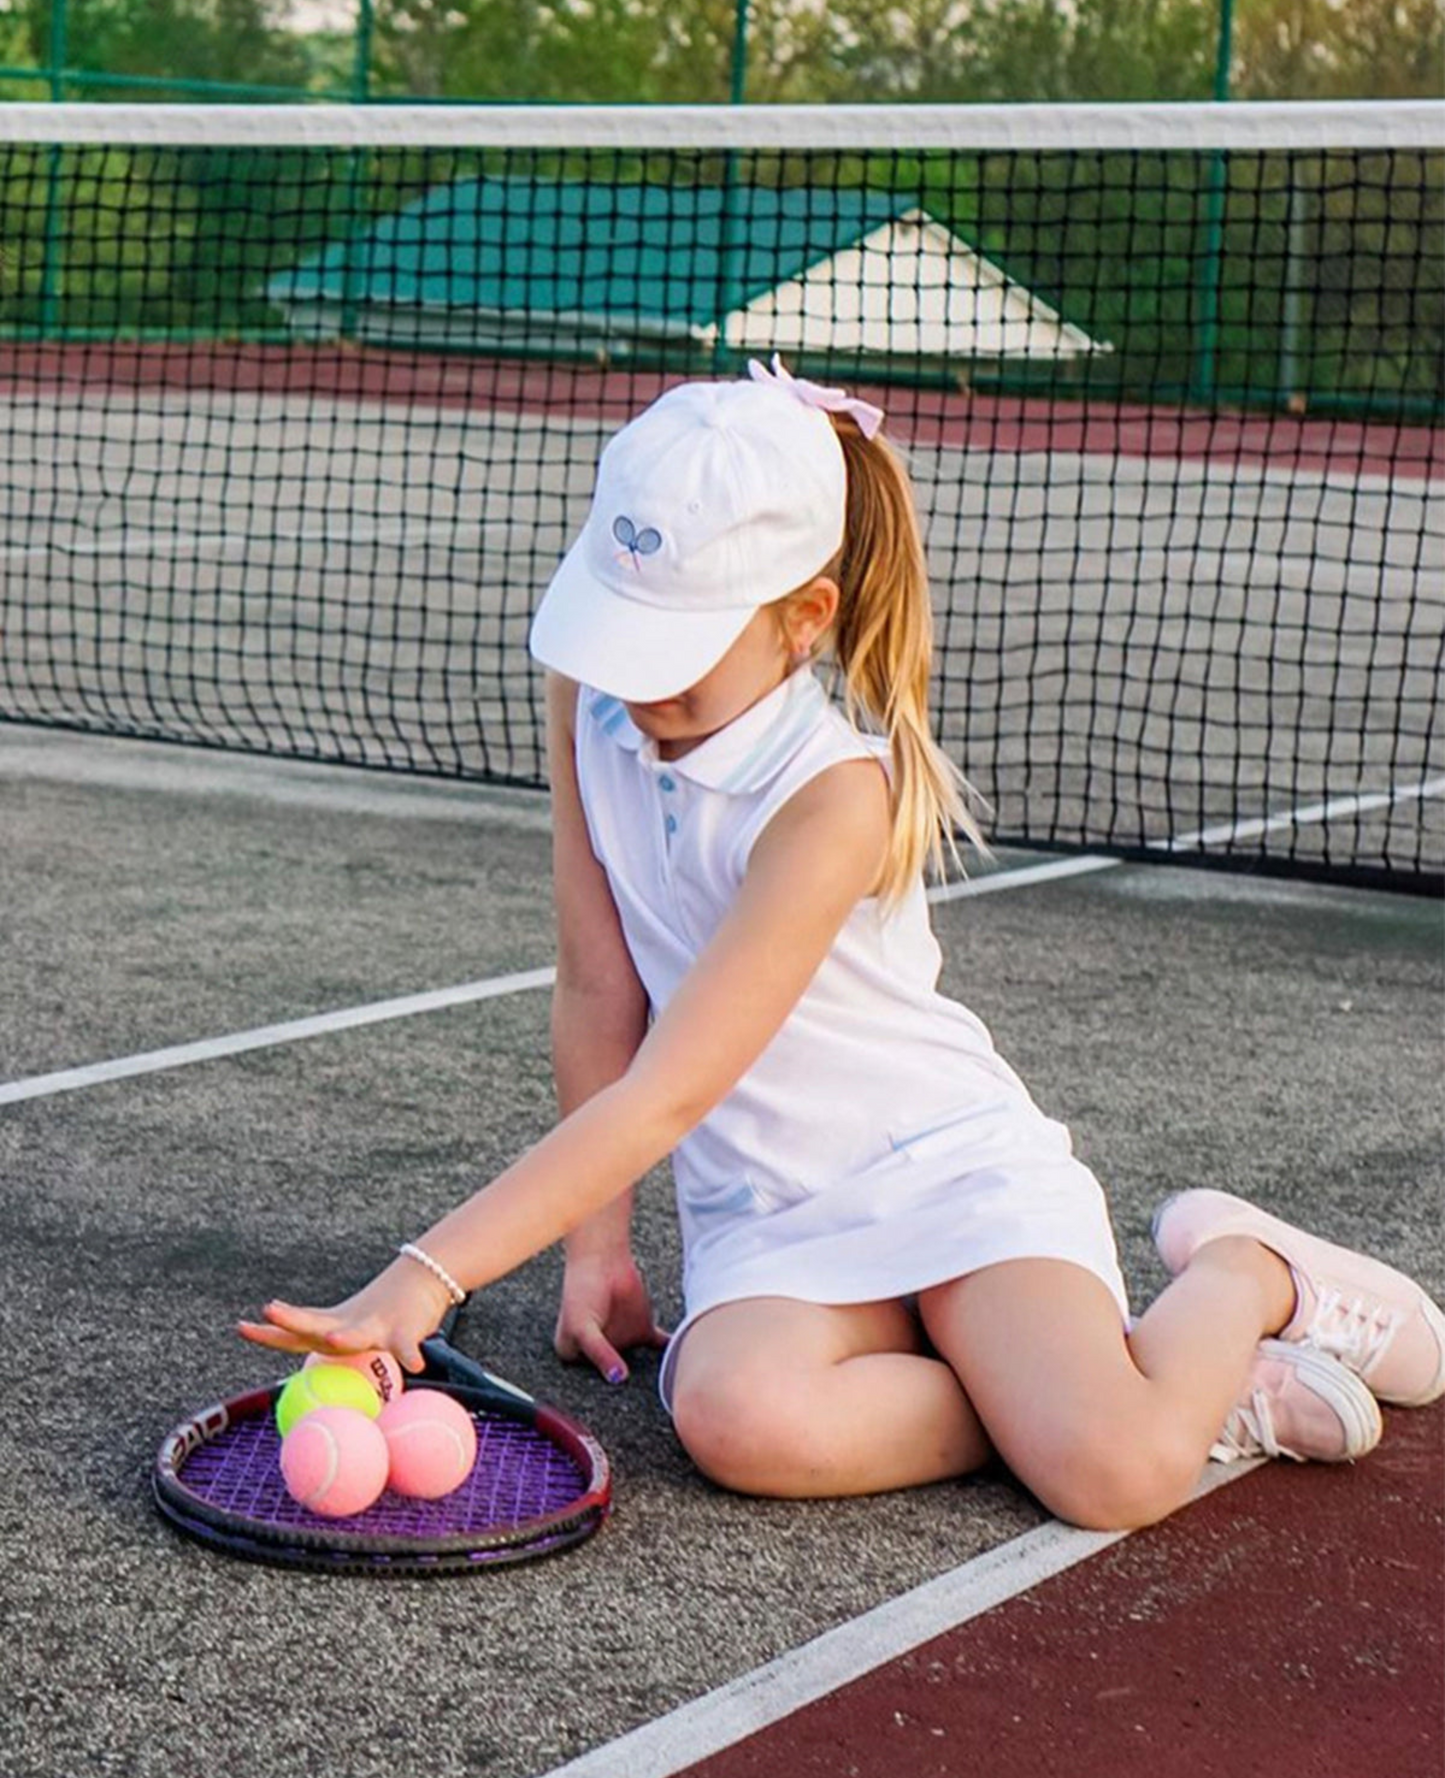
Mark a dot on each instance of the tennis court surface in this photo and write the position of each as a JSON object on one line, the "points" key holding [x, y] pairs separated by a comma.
{"points": [[298, 408], [1270, 1037]]}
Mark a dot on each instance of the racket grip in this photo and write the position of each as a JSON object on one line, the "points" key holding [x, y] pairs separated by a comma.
{"points": [[444, 1364]]}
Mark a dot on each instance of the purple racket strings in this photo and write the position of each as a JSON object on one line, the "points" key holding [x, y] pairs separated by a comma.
{"points": [[519, 1476]]}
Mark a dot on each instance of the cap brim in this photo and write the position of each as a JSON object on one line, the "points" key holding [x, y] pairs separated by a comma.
{"points": [[640, 653]]}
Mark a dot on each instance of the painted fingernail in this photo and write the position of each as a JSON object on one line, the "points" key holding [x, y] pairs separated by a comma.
{"points": [[616, 1374]]}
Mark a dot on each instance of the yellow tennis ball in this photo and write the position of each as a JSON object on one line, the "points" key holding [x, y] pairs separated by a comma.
{"points": [[324, 1386], [379, 1368]]}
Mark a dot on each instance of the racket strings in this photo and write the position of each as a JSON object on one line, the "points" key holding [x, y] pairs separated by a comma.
{"points": [[519, 1476]]}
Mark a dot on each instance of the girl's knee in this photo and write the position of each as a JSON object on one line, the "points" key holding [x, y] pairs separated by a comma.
{"points": [[1099, 1484], [740, 1427]]}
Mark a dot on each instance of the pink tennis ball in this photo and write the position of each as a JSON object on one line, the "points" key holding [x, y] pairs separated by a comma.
{"points": [[334, 1462], [379, 1368], [432, 1443]]}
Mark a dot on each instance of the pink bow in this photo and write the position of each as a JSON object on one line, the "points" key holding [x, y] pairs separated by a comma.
{"points": [[831, 401]]}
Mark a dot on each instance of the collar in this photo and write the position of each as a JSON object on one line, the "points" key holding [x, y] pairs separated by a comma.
{"points": [[740, 758]]}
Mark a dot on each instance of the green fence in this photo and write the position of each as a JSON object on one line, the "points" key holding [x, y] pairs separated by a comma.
{"points": [[1227, 334]]}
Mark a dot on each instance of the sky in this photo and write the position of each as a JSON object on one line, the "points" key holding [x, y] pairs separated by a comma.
{"points": [[320, 15]]}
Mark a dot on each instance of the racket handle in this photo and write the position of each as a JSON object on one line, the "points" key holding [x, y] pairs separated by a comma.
{"points": [[444, 1364]]}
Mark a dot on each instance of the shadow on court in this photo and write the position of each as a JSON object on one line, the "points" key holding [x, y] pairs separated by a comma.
{"points": [[1269, 1038]]}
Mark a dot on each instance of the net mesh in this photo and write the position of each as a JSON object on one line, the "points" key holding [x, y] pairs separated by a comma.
{"points": [[293, 434]]}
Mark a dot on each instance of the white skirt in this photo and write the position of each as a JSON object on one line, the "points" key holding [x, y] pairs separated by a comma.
{"points": [[1000, 1183]]}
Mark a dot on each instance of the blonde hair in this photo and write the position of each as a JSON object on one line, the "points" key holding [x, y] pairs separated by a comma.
{"points": [[882, 643]]}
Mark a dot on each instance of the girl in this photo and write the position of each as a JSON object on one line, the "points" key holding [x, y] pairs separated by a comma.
{"points": [[895, 1267]]}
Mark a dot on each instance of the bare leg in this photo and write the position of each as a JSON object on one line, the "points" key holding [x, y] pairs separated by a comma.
{"points": [[1108, 1430], [1196, 1340], [801, 1400]]}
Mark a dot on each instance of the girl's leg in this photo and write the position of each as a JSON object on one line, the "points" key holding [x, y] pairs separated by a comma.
{"points": [[1378, 1322], [802, 1400], [1108, 1430]]}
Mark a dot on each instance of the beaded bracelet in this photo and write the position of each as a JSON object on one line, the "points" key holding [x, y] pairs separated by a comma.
{"points": [[412, 1251]]}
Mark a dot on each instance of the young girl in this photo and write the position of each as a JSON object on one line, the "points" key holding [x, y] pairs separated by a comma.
{"points": [[895, 1266]]}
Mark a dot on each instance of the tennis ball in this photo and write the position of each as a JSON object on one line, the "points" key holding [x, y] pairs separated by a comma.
{"points": [[324, 1386], [379, 1368], [334, 1461], [432, 1443]]}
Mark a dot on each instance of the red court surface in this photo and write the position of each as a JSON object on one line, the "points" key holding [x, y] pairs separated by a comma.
{"points": [[1288, 1623], [959, 419]]}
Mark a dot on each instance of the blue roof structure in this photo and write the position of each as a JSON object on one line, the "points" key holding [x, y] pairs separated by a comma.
{"points": [[672, 257]]}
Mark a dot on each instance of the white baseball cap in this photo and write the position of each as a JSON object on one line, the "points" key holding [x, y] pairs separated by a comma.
{"points": [[716, 500]]}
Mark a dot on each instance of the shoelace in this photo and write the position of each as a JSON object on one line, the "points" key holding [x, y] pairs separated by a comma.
{"points": [[1248, 1432], [1352, 1331]]}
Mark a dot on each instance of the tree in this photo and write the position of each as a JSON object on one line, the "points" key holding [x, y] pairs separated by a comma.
{"points": [[230, 40], [1337, 49], [602, 51]]}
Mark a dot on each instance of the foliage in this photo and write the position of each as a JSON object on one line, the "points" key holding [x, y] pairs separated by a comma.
{"points": [[650, 51], [806, 51], [214, 40], [133, 242]]}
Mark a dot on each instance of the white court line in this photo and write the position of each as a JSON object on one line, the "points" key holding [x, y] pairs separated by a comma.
{"points": [[113, 762], [768, 1694], [1021, 878], [1307, 815], [208, 1049], [67, 1080]]}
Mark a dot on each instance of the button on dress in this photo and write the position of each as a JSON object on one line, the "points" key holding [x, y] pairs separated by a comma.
{"points": [[880, 1144]]}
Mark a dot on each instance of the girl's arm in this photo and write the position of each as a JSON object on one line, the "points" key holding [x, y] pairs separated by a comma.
{"points": [[818, 856], [599, 1019]]}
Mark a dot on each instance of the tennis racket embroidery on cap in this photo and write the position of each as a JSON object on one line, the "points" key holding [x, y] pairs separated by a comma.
{"points": [[636, 544]]}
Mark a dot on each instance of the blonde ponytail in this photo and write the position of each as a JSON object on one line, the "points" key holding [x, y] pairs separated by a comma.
{"points": [[883, 646]]}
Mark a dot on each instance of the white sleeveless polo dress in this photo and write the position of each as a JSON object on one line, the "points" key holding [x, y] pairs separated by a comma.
{"points": [[879, 1145]]}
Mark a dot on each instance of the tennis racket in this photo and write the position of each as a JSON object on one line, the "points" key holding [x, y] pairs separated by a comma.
{"points": [[540, 1483]]}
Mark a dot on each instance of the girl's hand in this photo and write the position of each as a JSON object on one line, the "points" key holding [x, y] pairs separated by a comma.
{"points": [[394, 1313], [605, 1309]]}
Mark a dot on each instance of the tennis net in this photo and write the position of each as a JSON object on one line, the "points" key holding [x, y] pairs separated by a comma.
{"points": [[299, 407]]}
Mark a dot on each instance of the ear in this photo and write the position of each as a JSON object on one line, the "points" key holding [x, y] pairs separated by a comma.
{"points": [[808, 614]]}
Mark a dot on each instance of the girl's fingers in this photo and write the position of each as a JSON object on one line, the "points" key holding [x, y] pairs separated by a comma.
{"points": [[599, 1351], [345, 1340], [339, 1341], [288, 1328], [259, 1334], [315, 1323], [659, 1336]]}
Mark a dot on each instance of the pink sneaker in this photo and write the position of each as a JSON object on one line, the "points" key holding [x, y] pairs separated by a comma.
{"points": [[1375, 1320], [1301, 1404]]}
